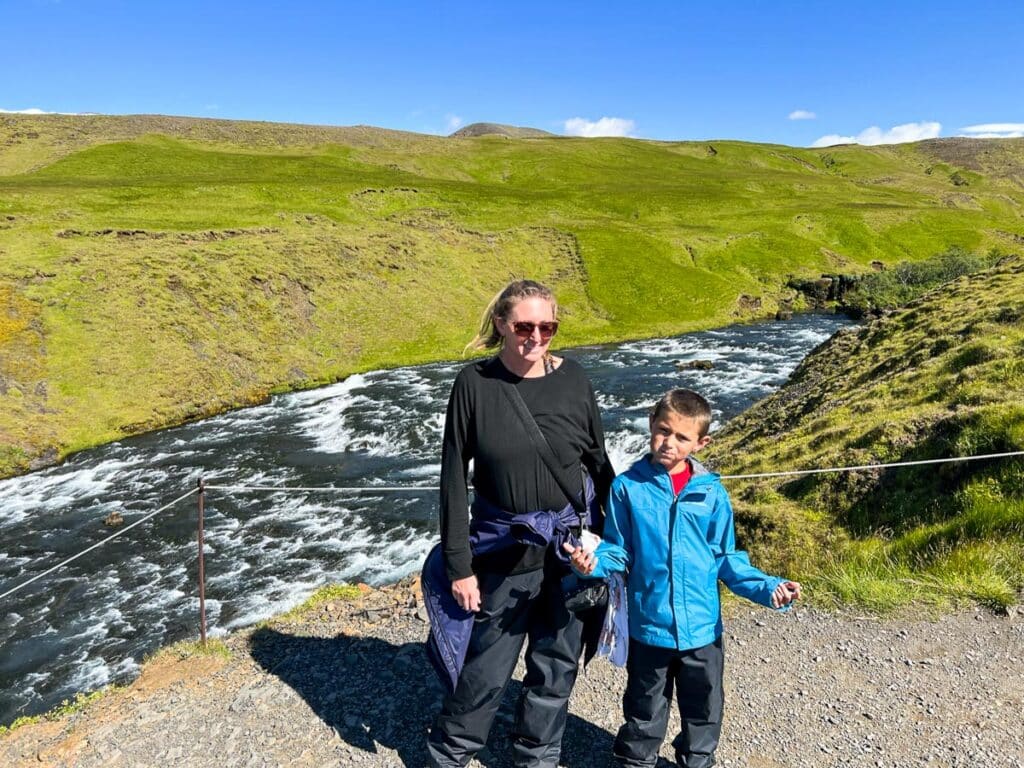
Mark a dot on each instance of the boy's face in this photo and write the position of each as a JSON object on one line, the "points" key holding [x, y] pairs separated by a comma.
{"points": [[673, 438]]}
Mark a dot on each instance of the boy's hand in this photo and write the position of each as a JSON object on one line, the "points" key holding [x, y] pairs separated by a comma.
{"points": [[786, 593], [582, 562]]}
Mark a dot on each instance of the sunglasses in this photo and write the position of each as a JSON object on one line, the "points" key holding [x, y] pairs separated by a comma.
{"points": [[524, 330]]}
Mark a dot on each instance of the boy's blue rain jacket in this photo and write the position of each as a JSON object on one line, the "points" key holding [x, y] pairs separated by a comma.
{"points": [[675, 549]]}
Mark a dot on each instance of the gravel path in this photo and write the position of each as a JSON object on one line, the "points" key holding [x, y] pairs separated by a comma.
{"points": [[348, 684]]}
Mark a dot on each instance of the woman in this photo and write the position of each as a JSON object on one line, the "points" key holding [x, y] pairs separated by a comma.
{"points": [[513, 589]]}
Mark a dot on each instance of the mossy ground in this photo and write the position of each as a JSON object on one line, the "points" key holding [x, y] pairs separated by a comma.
{"points": [[332, 593], [187, 649], [155, 270], [941, 377]]}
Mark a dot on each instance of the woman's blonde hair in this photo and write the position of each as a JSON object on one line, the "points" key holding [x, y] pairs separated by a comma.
{"points": [[488, 337]]}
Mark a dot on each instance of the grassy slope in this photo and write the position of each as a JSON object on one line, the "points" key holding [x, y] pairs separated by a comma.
{"points": [[157, 269], [942, 377]]}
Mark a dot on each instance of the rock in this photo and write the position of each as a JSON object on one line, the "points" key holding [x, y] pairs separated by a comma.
{"points": [[784, 314], [749, 303], [47, 458], [113, 520], [694, 365]]}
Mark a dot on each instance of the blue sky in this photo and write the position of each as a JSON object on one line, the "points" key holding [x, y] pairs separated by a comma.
{"points": [[786, 72]]}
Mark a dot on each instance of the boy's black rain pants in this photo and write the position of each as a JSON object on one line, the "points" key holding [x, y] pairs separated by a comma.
{"points": [[696, 676]]}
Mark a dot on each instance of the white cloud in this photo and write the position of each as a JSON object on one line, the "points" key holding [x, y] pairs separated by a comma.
{"points": [[994, 131], [454, 122], [33, 111], [606, 126], [802, 114], [898, 134]]}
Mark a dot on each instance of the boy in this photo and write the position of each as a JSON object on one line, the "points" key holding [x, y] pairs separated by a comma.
{"points": [[670, 526]]}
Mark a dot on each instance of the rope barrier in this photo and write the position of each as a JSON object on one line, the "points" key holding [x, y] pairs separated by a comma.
{"points": [[98, 544], [321, 488], [406, 488], [789, 473], [872, 466]]}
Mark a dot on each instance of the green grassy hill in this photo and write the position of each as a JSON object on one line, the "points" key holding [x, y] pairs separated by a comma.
{"points": [[942, 377], [511, 131], [157, 269]]}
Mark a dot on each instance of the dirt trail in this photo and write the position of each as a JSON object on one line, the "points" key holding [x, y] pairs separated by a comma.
{"points": [[348, 684]]}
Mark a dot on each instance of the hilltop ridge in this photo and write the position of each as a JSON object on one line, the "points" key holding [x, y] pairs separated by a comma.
{"points": [[497, 129], [28, 142]]}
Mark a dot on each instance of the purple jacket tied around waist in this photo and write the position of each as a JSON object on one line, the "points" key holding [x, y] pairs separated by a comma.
{"points": [[490, 529]]}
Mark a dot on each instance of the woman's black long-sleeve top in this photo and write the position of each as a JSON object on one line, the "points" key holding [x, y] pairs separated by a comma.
{"points": [[507, 470]]}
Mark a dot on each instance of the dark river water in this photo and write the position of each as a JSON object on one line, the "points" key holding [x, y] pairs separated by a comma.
{"points": [[90, 623]]}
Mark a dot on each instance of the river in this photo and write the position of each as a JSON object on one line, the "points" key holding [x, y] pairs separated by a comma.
{"points": [[91, 623]]}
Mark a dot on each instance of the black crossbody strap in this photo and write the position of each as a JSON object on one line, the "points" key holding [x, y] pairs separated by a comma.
{"points": [[543, 446]]}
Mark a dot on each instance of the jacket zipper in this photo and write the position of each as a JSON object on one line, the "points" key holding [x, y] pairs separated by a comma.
{"points": [[672, 561]]}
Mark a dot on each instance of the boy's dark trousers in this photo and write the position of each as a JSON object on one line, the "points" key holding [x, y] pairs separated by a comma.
{"points": [[696, 675], [515, 608]]}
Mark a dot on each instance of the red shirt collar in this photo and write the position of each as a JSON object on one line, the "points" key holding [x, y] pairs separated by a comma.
{"points": [[680, 480]]}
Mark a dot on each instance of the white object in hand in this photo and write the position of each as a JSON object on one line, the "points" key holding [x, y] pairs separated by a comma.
{"points": [[589, 541]]}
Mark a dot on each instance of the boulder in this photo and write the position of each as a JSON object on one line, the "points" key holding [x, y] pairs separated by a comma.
{"points": [[694, 365]]}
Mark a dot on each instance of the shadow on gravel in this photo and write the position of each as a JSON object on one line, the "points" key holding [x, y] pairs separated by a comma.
{"points": [[374, 693]]}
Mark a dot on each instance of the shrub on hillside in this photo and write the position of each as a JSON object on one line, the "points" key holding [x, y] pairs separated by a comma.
{"points": [[910, 279]]}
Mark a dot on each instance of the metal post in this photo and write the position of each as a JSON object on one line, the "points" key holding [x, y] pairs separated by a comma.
{"points": [[202, 569]]}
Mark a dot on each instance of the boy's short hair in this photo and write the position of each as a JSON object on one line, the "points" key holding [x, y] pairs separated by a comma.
{"points": [[687, 403]]}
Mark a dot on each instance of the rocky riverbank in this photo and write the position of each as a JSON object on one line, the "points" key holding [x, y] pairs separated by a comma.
{"points": [[348, 684]]}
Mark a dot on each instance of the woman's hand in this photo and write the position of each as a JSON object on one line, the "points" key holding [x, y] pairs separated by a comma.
{"points": [[467, 593], [582, 562]]}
